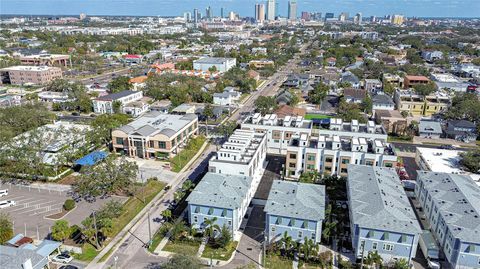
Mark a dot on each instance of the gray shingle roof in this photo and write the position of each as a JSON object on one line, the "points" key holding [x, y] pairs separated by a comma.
{"points": [[220, 190], [377, 200], [296, 200], [382, 99], [115, 96], [458, 200]]}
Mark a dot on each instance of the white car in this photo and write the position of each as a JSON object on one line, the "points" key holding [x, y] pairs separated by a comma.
{"points": [[9, 203], [3, 193], [62, 258]]}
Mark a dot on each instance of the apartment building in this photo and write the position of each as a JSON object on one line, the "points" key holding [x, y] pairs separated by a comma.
{"points": [[46, 59], [155, 135], [410, 81], [259, 64], [279, 131], [242, 154], [297, 209], [221, 196], [381, 218], [451, 204], [413, 103], [395, 80], [332, 155], [105, 104], [221, 64], [19, 75]]}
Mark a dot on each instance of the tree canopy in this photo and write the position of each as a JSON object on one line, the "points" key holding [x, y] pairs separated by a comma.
{"points": [[6, 228], [318, 94], [266, 104], [471, 160], [119, 84]]}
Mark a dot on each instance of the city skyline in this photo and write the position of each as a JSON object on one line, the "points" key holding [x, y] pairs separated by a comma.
{"points": [[246, 8]]}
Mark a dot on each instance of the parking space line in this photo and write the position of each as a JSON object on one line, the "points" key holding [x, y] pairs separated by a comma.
{"points": [[11, 197], [38, 207], [47, 209], [24, 205]]}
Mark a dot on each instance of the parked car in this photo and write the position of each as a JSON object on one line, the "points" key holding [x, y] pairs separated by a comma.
{"points": [[62, 258], [68, 267], [9, 203], [3, 193]]}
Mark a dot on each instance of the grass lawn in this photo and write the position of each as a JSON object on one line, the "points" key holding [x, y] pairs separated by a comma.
{"points": [[155, 241], [182, 247], [316, 116], [277, 262], [179, 161], [223, 254], [89, 252], [132, 207]]}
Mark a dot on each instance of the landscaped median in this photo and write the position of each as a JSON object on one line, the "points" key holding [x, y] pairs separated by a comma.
{"points": [[186, 154], [131, 208]]}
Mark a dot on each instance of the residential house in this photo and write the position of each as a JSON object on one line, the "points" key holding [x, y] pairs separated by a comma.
{"points": [[221, 64], [392, 121], [451, 204], [137, 108], [461, 130], [297, 209], [226, 98], [429, 129], [155, 135], [382, 102], [381, 218], [284, 97], [21, 253], [106, 104], [260, 64], [349, 77], [411, 81], [372, 85], [394, 80], [432, 55], [355, 96]]}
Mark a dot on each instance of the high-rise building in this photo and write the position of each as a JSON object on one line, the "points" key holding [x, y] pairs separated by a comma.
{"points": [[208, 13], [221, 13], [271, 10], [195, 15], [187, 16], [83, 16], [259, 12], [306, 16], [292, 9], [329, 16], [317, 16], [397, 19], [373, 19], [232, 16], [277, 9], [358, 18], [343, 16]]}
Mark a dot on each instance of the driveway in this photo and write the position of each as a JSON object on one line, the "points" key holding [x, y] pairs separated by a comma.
{"points": [[152, 168]]}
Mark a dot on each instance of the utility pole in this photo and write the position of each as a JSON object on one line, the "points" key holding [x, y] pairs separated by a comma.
{"points": [[149, 230], [96, 230]]}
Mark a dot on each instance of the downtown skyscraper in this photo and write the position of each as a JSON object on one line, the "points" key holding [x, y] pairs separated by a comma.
{"points": [[271, 10], [292, 9], [260, 12]]}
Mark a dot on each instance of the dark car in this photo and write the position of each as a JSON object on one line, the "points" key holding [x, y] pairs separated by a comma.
{"points": [[68, 267]]}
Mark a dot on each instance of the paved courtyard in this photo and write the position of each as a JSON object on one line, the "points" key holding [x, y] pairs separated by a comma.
{"points": [[152, 168], [34, 203]]}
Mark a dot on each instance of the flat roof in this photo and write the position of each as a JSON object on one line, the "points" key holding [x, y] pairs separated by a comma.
{"points": [[115, 96], [29, 68], [444, 161], [296, 200], [378, 201], [458, 200], [221, 190], [213, 60], [155, 122]]}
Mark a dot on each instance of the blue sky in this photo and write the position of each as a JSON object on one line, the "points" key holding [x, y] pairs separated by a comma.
{"points": [[425, 8]]}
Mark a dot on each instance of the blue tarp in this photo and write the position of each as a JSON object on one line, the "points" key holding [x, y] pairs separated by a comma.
{"points": [[91, 158]]}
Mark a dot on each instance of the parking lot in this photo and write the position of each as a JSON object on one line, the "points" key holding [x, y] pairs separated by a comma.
{"points": [[34, 205]]}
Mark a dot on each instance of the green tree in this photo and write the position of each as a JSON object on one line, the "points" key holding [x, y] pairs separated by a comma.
{"points": [[367, 104], [107, 177], [373, 258], [401, 264], [177, 230], [388, 88], [89, 232], [112, 209], [167, 214], [287, 243], [211, 227], [308, 247], [119, 84], [225, 236], [266, 104], [464, 106], [318, 94], [471, 160], [117, 107], [425, 89], [103, 126], [6, 228], [182, 261], [212, 69], [69, 204], [61, 230]]}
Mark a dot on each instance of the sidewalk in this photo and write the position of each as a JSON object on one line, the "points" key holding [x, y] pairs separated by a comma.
{"points": [[138, 219]]}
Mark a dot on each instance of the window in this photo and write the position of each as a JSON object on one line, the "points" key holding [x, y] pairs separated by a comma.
{"points": [[388, 165], [311, 157], [374, 245], [403, 238], [292, 222], [369, 163], [345, 161], [300, 234], [151, 143], [273, 228], [343, 170], [279, 220], [310, 166], [370, 234], [293, 156], [162, 145], [328, 159], [119, 141], [229, 222], [291, 165], [313, 236], [210, 211], [386, 236], [197, 209], [387, 247], [224, 213]]}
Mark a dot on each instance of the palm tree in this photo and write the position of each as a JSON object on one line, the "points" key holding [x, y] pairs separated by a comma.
{"points": [[401, 264], [210, 227], [167, 214], [287, 242], [374, 259], [178, 228], [187, 186], [307, 248], [327, 230]]}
